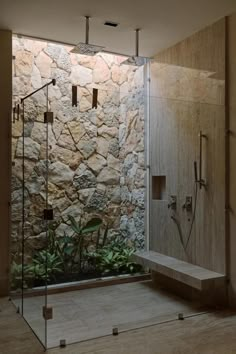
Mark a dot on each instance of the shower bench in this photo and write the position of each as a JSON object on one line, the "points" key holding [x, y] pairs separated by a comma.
{"points": [[196, 277]]}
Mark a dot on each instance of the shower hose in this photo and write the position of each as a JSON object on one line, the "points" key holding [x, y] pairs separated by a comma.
{"points": [[185, 245]]}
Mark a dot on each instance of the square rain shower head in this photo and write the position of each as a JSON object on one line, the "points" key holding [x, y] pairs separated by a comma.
{"points": [[87, 49], [136, 61]]}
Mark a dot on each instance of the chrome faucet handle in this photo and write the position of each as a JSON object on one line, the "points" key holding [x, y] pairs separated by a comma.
{"points": [[173, 202]]}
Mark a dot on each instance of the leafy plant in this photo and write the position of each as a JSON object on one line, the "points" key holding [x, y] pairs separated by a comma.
{"points": [[70, 249], [115, 257], [16, 276], [45, 265], [63, 254], [63, 248], [91, 226]]}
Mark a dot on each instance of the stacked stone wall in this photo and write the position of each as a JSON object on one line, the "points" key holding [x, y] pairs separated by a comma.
{"points": [[96, 156]]}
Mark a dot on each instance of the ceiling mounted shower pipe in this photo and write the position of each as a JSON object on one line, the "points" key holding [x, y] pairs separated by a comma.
{"points": [[137, 42], [136, 59], [87, 30], [86, 48]]}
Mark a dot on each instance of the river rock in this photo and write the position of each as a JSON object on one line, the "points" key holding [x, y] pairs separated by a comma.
{"points": [[80, 76], [31, 149], [23, 63], [97, 201], [60, 174], [109, 176], [102, 146], [85, 180], [66, 156], [96, 163], [86, 146], [77, 130], [113, 162], [85, 194], [107, 132], [43, 63], [101, 72]]}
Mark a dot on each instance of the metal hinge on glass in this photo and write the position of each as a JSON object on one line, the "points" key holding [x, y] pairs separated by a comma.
{"points": [[48, 312], [48, 214], [48, 117]]}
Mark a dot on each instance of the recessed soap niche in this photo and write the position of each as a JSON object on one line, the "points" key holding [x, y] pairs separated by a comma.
{"points": [[159, 188]]}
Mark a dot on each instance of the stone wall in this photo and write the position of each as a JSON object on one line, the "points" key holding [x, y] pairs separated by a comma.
{"points": [[96, 156]]}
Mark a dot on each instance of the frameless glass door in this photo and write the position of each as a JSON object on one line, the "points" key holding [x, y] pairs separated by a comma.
{"points": [[31, 257]]}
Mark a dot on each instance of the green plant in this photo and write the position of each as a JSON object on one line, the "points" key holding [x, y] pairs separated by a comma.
{"points": [[63, 254], [45, 265], [115, 257], [70, 249], [16, 276], [63, 247]]}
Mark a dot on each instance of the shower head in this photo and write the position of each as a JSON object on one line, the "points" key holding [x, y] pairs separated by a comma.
{"points": [[86, 48], [136, 59]]}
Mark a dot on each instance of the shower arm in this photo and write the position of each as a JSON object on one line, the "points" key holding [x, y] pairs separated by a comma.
{"points": [[16, 109], [52, 82]]}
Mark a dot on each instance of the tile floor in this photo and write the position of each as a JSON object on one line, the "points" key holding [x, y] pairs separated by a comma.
{"points": [[92, 313]]}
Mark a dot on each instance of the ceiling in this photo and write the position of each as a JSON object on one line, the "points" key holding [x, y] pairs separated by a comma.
{"points": [[163, 22]]}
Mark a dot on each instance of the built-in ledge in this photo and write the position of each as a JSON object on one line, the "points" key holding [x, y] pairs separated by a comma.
{"points": [[187, 273]]}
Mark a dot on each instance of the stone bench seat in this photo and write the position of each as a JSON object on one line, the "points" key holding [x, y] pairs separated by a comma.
{"points": [[196, 277]]}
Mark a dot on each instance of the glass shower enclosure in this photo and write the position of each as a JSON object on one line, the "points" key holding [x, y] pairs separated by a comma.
{"points": [[99, 150]]}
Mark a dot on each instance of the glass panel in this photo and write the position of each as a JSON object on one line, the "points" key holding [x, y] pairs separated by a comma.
{"points": [[30, 157], [35, 158], [97, 190], [16, 210], [16, 199]]}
